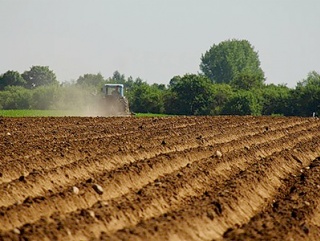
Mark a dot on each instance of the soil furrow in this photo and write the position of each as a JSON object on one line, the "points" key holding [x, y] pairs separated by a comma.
{"points": [[65, 152], [297, 140], [155, 199], [22, 188], [207, 217], [83, 169], [293, 214], [178, 178]]}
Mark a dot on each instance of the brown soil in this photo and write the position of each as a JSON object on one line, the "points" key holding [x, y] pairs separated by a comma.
{"points": [[178, 178]]}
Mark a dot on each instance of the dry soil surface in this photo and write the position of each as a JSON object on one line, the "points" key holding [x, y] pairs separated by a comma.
{"points": [[177, 178]]}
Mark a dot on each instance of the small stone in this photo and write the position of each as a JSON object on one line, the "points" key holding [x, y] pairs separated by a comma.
{"points": [[16, 231], [91, 213], [75, 190], [102, 204], [98, 189], [8, 134], [307, 203], [307, 168], [218, 154]]}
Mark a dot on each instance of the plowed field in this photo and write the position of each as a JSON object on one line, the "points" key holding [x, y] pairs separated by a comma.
{"points": [[177, 178]]}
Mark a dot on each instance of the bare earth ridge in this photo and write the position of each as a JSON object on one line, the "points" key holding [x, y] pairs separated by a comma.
{"points": [[173, 178]]}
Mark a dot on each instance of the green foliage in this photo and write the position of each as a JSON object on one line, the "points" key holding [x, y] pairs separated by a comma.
{"points": [[243, 103], [144, 115], [276, 100], [94, 80], [312, 80], [36, 113], [15, 97], [221, 94], [44, 97], [229, 60], [117, 78], [247, 81], [189, 95], [11, 78], [39, 76], [306, 96], [145, 98]]}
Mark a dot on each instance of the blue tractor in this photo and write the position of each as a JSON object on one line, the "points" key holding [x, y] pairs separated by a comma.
{"points": [[114, 101]]}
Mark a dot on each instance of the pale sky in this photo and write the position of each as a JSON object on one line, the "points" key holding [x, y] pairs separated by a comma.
{"points": [[156, 39]]}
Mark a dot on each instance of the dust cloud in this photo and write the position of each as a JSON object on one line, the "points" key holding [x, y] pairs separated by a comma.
{"points": [[76, 100]]}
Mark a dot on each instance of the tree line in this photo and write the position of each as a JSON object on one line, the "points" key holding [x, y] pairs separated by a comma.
{"points": [[230, 82]]}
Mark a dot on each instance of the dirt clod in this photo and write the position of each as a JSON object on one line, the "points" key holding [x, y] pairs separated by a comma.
{"points": [[98, 189], [75, 190], [218, 154]]}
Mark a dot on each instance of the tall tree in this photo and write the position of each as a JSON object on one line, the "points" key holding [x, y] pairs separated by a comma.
{"points": [[94, 80], [228, 60], [11, 78], [38, 76], [118, 78]]}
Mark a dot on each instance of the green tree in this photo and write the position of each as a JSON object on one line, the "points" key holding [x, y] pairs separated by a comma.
{"points": [[93, 80], [118, 78], [243, 103], [15, 97], [246, 81], [313, 79], [145, 98], [11, 78], [38, 76], [228, 60], [221, 94], [276, 100], [44, 97], [189, 95], [307, 95]]}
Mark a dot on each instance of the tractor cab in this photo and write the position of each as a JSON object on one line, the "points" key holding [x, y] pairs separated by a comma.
{"points": [[115, 90]]}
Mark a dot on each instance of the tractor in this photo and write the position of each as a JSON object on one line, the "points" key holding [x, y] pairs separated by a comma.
{"points": [[114, 103]]}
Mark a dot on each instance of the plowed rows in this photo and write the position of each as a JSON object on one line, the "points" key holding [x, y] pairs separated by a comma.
{"points": [[162, 178]]}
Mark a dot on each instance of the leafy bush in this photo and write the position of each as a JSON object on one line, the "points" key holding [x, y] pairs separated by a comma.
{"points": [[15, 97], [243, 103], [44, 97]]}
